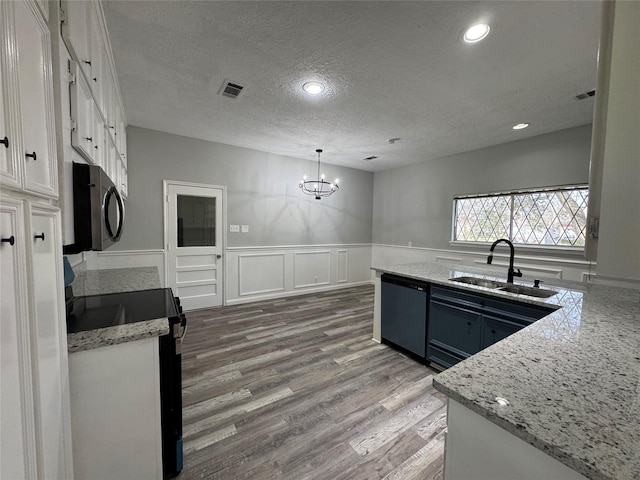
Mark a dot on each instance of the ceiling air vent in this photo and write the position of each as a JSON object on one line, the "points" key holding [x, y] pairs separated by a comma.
{"points": [[368, 159], [584, 95], [230, 89]]}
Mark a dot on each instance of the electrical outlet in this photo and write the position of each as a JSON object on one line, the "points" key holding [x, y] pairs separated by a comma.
{"points": [[245, 228], [234, 228]]}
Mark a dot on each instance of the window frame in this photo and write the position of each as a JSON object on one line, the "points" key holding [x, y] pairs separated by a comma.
{"points": [[552, 249]]}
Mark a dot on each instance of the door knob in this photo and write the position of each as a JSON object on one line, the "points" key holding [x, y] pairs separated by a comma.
{"points": [[31, 155], [218, 256], [5, 140]]}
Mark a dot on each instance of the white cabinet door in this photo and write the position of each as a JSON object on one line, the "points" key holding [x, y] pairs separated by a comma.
{"points": [[97, 56], [48, 333], [82, 135], [111, 160], [124, 182], [98, 138], [17, 436], [36, 99], [75, 32], [10, 172]]}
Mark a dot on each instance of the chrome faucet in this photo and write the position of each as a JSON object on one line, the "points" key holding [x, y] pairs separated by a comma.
{"points": [[511, 273]]}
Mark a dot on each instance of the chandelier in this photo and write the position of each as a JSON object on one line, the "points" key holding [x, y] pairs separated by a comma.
{"points": [[320, 187]]}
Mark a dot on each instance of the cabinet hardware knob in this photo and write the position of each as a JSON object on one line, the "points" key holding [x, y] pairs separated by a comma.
{"points": [[88, 62], [31, 155], [11, 240], [5, 140], [89, 139], [95, 79], [469, 323], [493, 331], [96, 147], [112, 127], [41, 237]]}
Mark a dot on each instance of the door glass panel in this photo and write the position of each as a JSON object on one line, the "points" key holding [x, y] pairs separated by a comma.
{"points": [[196, 221]]}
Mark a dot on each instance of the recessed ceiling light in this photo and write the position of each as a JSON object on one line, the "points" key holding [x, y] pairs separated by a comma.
{"points": [[476, 33], [313, 88], [520, 126]]}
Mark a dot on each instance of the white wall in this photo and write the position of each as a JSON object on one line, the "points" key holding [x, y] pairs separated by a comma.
{"points": [[415, 203], [262, 192], [619, 236]]}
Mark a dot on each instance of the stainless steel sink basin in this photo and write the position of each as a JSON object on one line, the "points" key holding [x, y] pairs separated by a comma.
{"points": [[532, 292], [481, 282], [506, 287]]}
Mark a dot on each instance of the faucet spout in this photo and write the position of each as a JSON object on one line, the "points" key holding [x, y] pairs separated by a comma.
{"points": [[511, 272]]}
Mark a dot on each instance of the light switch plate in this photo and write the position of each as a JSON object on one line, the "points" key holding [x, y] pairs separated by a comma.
{"points": [[234, 228], [245, 228]]}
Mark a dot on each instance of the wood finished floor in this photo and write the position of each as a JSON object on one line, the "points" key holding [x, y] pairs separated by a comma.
{"points": [[296, 389]]}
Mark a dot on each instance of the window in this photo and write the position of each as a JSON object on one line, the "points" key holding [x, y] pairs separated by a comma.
{"points": [[547, 216]]}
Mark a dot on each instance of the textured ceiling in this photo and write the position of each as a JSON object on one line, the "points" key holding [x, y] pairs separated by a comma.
{"points": [[392, 69]]}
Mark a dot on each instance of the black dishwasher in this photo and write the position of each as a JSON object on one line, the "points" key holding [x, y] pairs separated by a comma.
{"points": [[404, 313]]}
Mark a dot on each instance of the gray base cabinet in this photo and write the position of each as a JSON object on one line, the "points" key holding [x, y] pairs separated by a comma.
{"points": [[461, 323], [404, 313]]}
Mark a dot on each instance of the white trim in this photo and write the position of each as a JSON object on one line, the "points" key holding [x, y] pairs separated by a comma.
{"points": [[479, 252], [546, 249], [297, 247]]}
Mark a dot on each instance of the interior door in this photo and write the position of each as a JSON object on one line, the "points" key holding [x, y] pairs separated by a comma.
{"points": [[193, 242]]}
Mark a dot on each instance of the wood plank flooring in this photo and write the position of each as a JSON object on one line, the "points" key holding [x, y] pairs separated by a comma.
{"points": [[295, 388]]}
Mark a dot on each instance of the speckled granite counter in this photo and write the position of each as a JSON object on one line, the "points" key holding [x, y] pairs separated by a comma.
{"points": [[117, 280], [572, 379]]}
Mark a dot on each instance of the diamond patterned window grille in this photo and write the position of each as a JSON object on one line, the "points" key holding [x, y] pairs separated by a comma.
{"points": [[549, 216]]}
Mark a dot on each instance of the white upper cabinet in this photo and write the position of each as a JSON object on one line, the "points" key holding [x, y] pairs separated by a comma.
{"points": [[9, 166], [98, 57], [94, 89], [75, 32], [82, 106], [27, 90]]}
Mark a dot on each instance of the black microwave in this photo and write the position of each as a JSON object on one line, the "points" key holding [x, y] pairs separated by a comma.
{"points": [[98, 210]]}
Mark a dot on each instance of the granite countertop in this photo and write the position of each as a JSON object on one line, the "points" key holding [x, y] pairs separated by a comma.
{"points": [[572, 379], [116, 280]]}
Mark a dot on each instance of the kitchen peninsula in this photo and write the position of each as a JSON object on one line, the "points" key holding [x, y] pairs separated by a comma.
{"points": [[567, 385]]}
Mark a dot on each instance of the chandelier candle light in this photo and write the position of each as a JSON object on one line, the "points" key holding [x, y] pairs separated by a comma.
{"points": [[320, 187]]}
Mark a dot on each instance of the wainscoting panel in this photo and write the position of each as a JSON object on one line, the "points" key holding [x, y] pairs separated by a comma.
{"points": [[343, 266], [311, 269], [260, 273], [532, 265]]}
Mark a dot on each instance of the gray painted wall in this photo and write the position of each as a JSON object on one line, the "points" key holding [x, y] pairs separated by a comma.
{"points": [[262, 192], [415, 203]]}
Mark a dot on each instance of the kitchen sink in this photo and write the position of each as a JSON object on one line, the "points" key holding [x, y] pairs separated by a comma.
{"points": [[531, 291], [481, 282], [506, 287]]}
